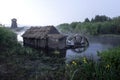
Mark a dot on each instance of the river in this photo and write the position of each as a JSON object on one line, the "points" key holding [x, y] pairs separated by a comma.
{"points": [[96, 44]]}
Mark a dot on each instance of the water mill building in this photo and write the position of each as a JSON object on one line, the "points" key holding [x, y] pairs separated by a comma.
{"points": [[44, 37]]}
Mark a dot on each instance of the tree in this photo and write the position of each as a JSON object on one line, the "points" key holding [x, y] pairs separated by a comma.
{"points": [[87, 20], [65, 27], [101, 18], [73, 25], [7, 38]]}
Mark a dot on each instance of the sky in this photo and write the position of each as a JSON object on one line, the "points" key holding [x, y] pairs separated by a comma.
{"points": [[55, 12]]}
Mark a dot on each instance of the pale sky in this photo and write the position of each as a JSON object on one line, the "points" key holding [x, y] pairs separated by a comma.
{"points": [[54, 12]]}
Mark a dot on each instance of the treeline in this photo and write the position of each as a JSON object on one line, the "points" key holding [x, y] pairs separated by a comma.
{"points": [[100, 24]]}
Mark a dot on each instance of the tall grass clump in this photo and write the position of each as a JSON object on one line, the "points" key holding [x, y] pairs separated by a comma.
{"points": [[111, 60], [108, 68]]}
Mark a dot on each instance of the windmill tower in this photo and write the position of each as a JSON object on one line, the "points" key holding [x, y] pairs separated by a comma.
{"points": [[14, 23]]}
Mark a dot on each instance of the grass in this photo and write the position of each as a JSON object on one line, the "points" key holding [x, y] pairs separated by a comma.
{"points": [[106, 69]]}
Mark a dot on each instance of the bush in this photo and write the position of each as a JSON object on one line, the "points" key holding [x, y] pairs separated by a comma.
{"points": [[7, 38], [111, 57]]}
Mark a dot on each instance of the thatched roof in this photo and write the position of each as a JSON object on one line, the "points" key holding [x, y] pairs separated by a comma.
{"points": [[56, 36], [42, 32]]}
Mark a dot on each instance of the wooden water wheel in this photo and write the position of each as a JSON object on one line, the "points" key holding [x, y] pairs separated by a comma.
{"points": [[77, 43]]}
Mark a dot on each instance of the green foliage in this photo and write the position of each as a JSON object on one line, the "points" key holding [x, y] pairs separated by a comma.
{"points": [[87, 20], [111, 57], [64, 27], [73, 25], [106, 69], [7, 38], [100, 18], [99, 25]]}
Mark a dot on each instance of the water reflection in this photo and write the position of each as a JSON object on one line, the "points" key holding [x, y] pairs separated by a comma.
{"points": [[91, 51], [97, 44]]}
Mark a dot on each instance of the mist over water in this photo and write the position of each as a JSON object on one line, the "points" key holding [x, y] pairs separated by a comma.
{"points": [[20, 33], [96, 44], [19, 36]]}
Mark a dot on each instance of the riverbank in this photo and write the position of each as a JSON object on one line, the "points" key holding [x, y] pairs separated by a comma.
{"points": [[22, 63]]}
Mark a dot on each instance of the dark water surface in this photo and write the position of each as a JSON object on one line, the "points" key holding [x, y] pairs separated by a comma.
{"points": [[96, 44]]}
